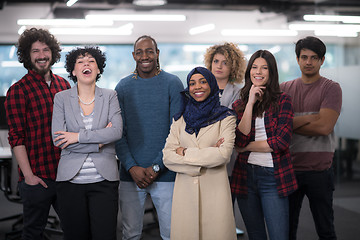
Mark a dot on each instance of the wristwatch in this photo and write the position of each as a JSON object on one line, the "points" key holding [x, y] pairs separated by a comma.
{"points": [[156, 168]]}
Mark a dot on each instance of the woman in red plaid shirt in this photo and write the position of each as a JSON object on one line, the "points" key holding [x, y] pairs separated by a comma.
{"points": [[263, 176]]}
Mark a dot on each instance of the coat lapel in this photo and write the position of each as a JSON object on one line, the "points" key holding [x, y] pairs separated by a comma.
{"points": [[75, 106], [99, 103]]}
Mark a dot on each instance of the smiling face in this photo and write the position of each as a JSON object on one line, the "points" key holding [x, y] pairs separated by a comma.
{"points": [[259, 73], [40, 56], [145, 56], [199, 88], [220, 67], [86, 69]]}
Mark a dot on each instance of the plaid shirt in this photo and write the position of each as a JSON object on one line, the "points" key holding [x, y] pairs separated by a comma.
{"points": [[29, 105], [278, 126]]}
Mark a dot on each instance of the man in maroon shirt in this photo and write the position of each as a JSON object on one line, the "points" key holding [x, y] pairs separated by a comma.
{"points": [[317, 104], [29, 105]]}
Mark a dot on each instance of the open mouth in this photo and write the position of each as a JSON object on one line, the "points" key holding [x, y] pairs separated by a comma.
{"points": [[42, 61], [86, 71]]}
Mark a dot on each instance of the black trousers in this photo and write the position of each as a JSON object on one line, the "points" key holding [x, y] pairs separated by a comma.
{"points": [[318, 186], [37, 201], [88, 211]]}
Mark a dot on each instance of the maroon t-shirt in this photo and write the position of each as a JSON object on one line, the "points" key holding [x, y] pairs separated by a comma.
{"points": [[313, 152]]}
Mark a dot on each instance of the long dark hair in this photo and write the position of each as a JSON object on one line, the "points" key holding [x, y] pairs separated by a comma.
{"points": [[272, 92]]}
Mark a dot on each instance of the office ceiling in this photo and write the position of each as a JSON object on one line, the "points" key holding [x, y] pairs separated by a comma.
{"points": [[252, 14]]}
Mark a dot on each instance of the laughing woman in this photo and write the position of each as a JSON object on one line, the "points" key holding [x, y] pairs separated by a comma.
{"points": [[86, 122], [198, 148]]}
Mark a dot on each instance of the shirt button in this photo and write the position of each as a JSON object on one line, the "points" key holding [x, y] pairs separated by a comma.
{"points": [[196, 181]]}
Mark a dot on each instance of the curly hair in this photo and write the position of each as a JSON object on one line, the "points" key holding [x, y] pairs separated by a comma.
{"points": [[26, 40], [233, 55], [272, 92], [94, 51]]}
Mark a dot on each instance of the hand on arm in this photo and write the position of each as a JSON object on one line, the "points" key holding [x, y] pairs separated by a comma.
{"points": [[181, 150], [107, 126], [23, 161], [321, 126], [255, 146], [66, 138], [300, 121]]}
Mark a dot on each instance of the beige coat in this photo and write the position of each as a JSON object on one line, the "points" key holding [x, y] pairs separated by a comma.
{"points": [[202, 207]]}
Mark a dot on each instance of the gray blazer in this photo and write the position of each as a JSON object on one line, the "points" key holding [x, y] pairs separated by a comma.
{"points": [[66, 117], [231, 94]]}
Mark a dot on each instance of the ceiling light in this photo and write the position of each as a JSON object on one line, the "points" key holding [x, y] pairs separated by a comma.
{"points": [[65, 22], [71, 2], [149, 3], [332, 18], [201, 29], [21, 30], [123, 30], [138, 17], [335, 33], [325, 27], [259, 32]]}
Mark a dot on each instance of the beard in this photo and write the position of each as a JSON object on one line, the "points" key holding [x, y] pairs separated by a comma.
{"points": [[41, 71]]}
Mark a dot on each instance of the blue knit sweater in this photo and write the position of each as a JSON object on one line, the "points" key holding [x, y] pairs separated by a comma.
{"points": [[147, 107]]}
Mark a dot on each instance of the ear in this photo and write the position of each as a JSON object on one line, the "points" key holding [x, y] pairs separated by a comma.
{"points": [[133, 53], [322, 60], [73, 73]]}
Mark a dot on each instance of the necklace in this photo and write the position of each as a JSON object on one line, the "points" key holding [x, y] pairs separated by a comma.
{"points": [[86, 103]]}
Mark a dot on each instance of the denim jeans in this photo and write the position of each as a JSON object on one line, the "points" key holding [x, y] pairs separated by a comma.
{"points": [[318, 186], [132, 205], [37, 201], [263, 208]]}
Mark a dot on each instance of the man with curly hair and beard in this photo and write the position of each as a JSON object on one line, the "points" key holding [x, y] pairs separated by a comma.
{"points": [[29, 106]]}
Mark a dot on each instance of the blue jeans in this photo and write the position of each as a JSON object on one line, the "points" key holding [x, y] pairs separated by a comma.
{"points": [[318, 186], [264, 206], [132, 205]]}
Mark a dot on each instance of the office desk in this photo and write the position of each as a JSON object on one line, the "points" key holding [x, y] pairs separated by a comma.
{"points": [[5, 153]]}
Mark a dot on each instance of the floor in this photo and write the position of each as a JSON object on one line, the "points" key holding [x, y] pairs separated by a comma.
{"points": [[346, 207]]}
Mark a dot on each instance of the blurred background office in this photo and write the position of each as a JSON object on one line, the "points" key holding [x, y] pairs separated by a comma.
{"points": [[183, 30]]}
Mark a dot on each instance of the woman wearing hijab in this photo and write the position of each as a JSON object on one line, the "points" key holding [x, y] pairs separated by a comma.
{"points": [[198, 148]]}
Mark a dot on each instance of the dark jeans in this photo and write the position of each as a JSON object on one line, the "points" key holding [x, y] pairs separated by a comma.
{"points": [[88, 211], [318, 186], [37, 201]]}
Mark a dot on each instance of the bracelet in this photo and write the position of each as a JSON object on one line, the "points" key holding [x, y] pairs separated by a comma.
{"points": [[183, 151]]}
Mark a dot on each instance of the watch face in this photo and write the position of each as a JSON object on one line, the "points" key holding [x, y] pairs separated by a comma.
{"points": [[156, 168]]}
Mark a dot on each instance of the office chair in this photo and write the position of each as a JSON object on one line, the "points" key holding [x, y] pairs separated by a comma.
{"points": [[5, 182], [53, 224]]}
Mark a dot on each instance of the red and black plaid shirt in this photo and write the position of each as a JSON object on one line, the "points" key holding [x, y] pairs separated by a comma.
{"points": [[278, 125], [29, 106]]}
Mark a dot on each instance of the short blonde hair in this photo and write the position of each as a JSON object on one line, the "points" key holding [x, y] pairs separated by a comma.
{"points": [[233, 55]]}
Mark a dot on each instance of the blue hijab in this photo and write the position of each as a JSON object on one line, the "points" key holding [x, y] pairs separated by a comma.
{"points": [[201, 114]]}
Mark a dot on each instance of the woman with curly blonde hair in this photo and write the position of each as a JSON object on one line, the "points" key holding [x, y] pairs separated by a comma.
{"points": [[227, 62]]}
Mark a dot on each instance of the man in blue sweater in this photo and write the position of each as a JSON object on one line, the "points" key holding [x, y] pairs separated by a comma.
{"points": [[148, 98]]}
